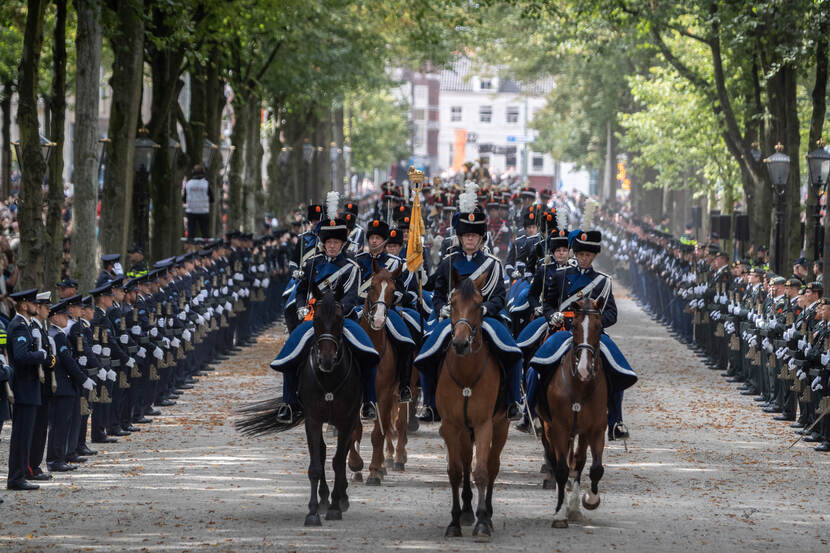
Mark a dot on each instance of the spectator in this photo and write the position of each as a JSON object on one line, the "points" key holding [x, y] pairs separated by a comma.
{"points": [[197, 199]]}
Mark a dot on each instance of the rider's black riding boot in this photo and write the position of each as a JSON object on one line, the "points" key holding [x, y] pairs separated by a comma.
{"points": [[405, 376]]}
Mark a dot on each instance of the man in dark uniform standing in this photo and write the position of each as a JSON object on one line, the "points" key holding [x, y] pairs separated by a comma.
{"points": [[24, 359]]}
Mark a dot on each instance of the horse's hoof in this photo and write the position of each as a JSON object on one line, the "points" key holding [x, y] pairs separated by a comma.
{"points": [[560, 523], [548, 484], [389, 463], [313, 519], [383, 471], [453, 532], [334, 514], [399, 467], [358, 467], [373, 481], [586, 501], [413, 424], [344, 505], [467, 517], [482, 532], [358, 477]]}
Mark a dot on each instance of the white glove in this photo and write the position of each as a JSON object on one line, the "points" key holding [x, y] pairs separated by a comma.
{"points": [[228, 306], [123, 338], [266, 282], [825, 358], [302, 312], [111, 375], [142, 352], [154, 332], [816, 385], [224, 290], [808, 349], [166, 342], [96, 349], [106, 352], [445, 311], [175, 342], [219, 309], [89, 384], [780, 353], [158, 354], [262, 267], [791, 364], [82, 360], [131, 362], [215, 293], [238, 277], [200, 320], [187, 308], [538, 311], [802, 343], [170, 322], [557, 319], [235, 296], [257, 282], [182, 316], [102, 374], [162, 322], [801, 374], [136, 330], [186, 335]]}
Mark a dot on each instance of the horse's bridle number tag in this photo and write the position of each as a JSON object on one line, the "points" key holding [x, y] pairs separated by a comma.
{"points": [[577, 407], [466, 392], [329, 397]]}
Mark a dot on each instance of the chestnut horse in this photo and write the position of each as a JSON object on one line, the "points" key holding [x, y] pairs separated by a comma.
{"points": [[472, 411], [574, 415], [391, 415]]}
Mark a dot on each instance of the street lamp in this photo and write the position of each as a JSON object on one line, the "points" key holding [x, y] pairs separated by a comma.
{"points": [[818, 166], [308, 156], [208, 153], [46, 146], [778, 167], [755, 152], [145, 153]]}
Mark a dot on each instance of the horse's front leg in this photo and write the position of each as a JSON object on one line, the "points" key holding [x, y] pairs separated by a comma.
{"points": [[455, 470], [400, 425], [355, 460], [500, 428], [578, 455], [558, 437], [324, 486], [376, 465], [483, 529], [590, 500], [339, 498], [314, 436]]}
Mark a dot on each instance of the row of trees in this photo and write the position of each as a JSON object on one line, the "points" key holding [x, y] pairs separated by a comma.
{"points": [[288, 73], [683, 91]]}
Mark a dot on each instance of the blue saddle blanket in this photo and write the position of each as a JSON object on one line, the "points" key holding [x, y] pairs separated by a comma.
{"points": [[396, 326], [296, 348], [496, 335], [517, 296], [620, 373]]}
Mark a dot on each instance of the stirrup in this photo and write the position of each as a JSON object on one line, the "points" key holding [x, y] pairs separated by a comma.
{"points": [[285, 414], [368, 411], [405, 394], [622, 429]]}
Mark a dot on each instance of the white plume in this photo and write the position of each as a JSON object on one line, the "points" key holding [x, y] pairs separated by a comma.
{"points": [[562, 217], [332, 204], [588, 215], [467, 199]]}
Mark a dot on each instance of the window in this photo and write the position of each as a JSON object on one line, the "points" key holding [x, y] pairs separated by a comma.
{"points": [[486, 84], [455, 113], [512, 114], [538, 163], [421, 95], [485, 114], [419, 114], [510, 160]]}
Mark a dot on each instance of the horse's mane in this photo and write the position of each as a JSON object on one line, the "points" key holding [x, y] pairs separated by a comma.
{"points": [[467, 289], [326, 308]]}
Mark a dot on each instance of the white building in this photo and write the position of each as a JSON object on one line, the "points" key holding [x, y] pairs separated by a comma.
{"points": [[489, 116]]}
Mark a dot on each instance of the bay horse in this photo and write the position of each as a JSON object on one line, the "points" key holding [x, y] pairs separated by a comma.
{"points": [[331, 390], [391, 415], [472, 411], [574, 415]]}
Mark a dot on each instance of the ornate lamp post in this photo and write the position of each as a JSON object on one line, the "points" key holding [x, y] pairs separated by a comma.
{"points": [[46, 147], [208, 153], [308, 156], [778, 167], [818, 166], [145, 153]]}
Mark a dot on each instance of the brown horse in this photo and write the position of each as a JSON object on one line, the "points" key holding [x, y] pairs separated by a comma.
{"points": [[574, 415], [471, 410], [392, 416]]}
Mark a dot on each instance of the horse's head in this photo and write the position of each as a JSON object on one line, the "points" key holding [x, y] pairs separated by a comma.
{"points": [[587, 328], [328, 326], [466, 313], [381, 295]]}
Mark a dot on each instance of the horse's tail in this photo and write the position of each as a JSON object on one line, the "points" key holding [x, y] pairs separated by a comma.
{"points": [[261, 419]]}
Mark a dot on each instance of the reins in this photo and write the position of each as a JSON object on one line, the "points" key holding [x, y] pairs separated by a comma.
{"points": [[342, 352], [467, 391]]}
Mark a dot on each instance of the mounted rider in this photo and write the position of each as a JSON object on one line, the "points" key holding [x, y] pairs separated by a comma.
{"points": [[307, 247], [561, 288], [377, 234], [329, 270], [469, 261]]}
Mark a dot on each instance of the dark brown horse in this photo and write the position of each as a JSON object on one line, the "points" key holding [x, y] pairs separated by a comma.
{"points": [[574, 415], [471, 411], [392, 416]]}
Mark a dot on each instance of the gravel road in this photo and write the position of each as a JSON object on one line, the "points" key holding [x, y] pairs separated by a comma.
{"points": [[705, 470]]}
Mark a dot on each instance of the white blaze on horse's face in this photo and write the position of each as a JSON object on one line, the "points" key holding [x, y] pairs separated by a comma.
{"points": [[380, 308], [582, 366]]}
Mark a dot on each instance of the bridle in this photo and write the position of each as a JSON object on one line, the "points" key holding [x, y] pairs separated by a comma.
{"points": [[472, 336], [315, 351], [592, 368], [369, 313]]}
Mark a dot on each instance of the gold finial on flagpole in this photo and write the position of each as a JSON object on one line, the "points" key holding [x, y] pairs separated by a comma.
{"points": [[416, 178]]}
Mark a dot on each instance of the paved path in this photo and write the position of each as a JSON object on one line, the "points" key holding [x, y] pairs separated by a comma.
{"points": [[705, 471]]}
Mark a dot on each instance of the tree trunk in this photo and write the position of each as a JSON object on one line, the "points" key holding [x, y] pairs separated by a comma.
{"points": [[127, 43], [816, 128], [337, 137], [30, 209], [85, 179], [238, 138], [254, 198], [214, 104], [54, 225], [6, 160], [275, 183]]}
